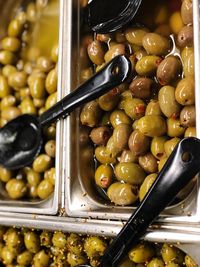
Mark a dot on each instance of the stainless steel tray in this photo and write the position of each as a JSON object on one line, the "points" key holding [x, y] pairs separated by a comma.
{"points": [[51, 205], [81, 200]]}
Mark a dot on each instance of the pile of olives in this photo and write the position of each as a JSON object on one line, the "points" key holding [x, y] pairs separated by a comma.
{"points": [[25, 247], [28, 85], [135, 127]]}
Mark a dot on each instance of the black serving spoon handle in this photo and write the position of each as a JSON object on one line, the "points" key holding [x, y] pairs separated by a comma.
{"points": [[180, 168], [110, 76]]}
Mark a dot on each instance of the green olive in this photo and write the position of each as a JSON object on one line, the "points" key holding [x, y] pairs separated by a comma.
{"points": [[189, 262], [46, 238], [134, 108], [11, 44], [15, 28], [188, 116], [146, 185], [122, 194], [32, 191], [51, 81], [157, 146], [121, 135], [168, 104], [10, 113], [138, 143], [8, 101], [24, 93], [32, 241], [153, 108], [14, 240], [5, 174], [59, 239], [41, 259], [184, 92], [50, 148], [50, 132], [7, 57], [187, 12], [141, 253], [94, 246], [129, 172], [155, 262], [170, 253], [119, 116], [90, 114], [104, 176], [169, 145], [128, 156], [33, 177], [75, 244], [17, 79], [25, 258], [148, 163], [96, 52], [27, 106], [45, 189], [190, 131], [175, 128], [7, 70], [134, 35], [16, 188], [74, 259], [54, 53], [50, 175], [141, 87], [51, 100], [161, 163], [109, 100], [44, 64], [187, 57], [115, 50], [7, 255], [148, 65], [112, 148], [5, 89], [152, 125], [169, 70], [156, 44], [37, 87], [42, 163]]}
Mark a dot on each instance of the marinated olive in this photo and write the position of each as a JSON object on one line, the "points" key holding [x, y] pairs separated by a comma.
{"points": [[27, 106], [175, 22], [141, 253], [128, 156], [96, 52], [42, 163], [51, 81], [141, 87], [44, 64], [175, 128], [156, 44], [189, 262], [74, 259], [46, 238], [104, 176], [169, 70], [188, 116], [187, 56], [155, 262], [7, 255], [152, 125], [168, 104], [186, 12], [25, 258], [147, 183], [7, 57], [170, 253], [157, 146], [103, 156], [15, 28], [148, 65], [32, 241], [134, 108], [148, 163], [138, 143], [109, 100], [119, 116], [5, 174], [51, 100], [75, 244], [16, 188], [41, 259], [37, 87], [11, 44], [122, 193], [115, 50], [90, 114], [121, 135], [45, 189], [169, 145], [129, 172], [17, 79], [50, 148], [94, 246], [185, 36], [153, 108], [59, 239], [184, 92], [135, 35], [190, 132]]}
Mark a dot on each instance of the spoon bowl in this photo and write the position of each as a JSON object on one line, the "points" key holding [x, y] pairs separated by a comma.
{"points": [[110, 15], [21, 138]]}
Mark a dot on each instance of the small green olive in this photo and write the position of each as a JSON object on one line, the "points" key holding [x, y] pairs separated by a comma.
{"points": [[41, 259], [45, 189], [156, 44], [138, 143], [141, 253], [25, 258], [32, 241], [59, 239], [16, 188], [11, 44], [148, 65], [42, 163], [104, 175], [134, 108], [50, 148], [94, 246], [175, 128], [51, 81]]}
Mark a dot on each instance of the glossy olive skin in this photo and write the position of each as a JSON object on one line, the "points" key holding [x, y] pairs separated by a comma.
{"points": [[104, 175], [129, 172], [32, 242], [103, 156], [170, 144], [185, 92], [138, 143], [153, 108], [96, 52], [149, 163], [156, 44], [146, 185], [141, 87], [16, 188], [109, 100], [115, 50], [169, 70], [185, 36], [122, 193], [128, 156], [119, 116], [148, 65], [156, 263], [168, 104], [175, 128], [188, 116], [187, 12], [141, 253], [187, 56], [134, 108], [121, 135], [94, 246], [157, 146], [90, 114], [134, 35], [100, 135], [171, 253]]}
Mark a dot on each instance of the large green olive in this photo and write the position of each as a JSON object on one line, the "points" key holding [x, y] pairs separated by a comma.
{"points": [[187, 57], [45, 189], [32, 241], [146, 185], [153, 108], [59, 239], [148, 163], [74, 259], [111, 147], [41, 259], [157, 146], [122, 193], [152, 125], [16, 188], [7, 255], [75, 244], [104, 176], [169, 70], [141, 253], [42, 163], [169, 145], [11, 44], [138, 143], [25, 258], [103, 156], [148, 65], [134, 108], [109, 100], [170, 253], [129, 172], [119, 116], [128, 156], [115, 50], [90, 114], [94, 246], [121, 135], [96, 52], [185, 93], [134, 35], [168, 104], [175, 128], [156, 44]]}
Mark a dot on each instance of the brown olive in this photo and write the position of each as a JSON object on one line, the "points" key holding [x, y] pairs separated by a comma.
{"points": [[100, 135], [187, 12], [188, 116], [138, 143], [185, 92], [149, 163], [96, 52], [185, 36], [141, 87]]}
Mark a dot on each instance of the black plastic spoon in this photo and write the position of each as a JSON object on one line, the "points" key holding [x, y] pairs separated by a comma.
{"points": [[109, 15], [180, 168], [21, 138]]}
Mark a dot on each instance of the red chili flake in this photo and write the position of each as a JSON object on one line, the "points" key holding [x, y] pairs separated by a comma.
{"points": [[140, 109], [158, 61], [104, 182], [175, 115]]}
